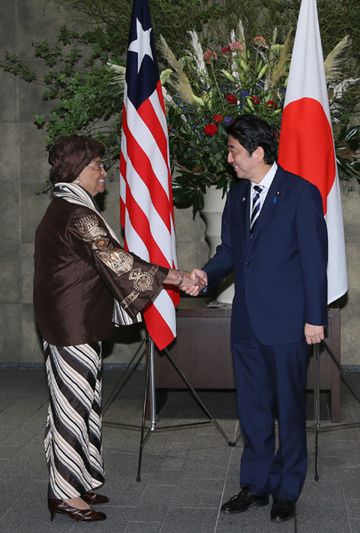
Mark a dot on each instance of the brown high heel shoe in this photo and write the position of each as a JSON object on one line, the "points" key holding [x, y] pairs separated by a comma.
{"points": [[79, 515], [94, 499]]}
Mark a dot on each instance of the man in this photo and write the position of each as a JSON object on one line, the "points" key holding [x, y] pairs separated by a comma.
{"points": [[274, 239]]}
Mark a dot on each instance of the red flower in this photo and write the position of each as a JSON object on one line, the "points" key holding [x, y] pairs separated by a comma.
{"points": [[226, 49], [231, 98], [209, 55], [272, 104], [237, 45], [218, 118], [210, 129], [260, 41], [255, 100]]}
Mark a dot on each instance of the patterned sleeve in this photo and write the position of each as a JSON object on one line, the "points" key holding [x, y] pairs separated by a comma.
{"points": [[132, 281]]}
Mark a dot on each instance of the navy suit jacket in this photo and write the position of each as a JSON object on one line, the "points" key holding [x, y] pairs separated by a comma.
{"points": [[280, 272]]}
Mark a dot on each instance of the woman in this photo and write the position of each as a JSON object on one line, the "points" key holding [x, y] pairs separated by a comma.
{"points": [[84, 281]]}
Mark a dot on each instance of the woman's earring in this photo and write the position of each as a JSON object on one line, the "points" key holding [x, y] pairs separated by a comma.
{"points": [[77, 181]]}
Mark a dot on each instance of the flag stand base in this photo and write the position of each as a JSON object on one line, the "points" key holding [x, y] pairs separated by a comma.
{"points": [[316, 428], [147, 349]]}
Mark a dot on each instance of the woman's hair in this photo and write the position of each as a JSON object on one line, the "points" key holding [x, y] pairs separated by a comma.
{"points": [[251, 132], [70, 155]]}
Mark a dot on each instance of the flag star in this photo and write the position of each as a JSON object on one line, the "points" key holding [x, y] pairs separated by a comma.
{"points": [[141, 45]]}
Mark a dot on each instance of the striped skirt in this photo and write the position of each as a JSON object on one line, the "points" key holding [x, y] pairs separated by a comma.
{"points": [[73, 433]]}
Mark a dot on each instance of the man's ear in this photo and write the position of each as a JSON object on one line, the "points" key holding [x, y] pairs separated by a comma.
{"points": [[259, 154]]}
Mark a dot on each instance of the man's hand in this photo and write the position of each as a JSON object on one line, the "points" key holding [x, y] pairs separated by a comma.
{"points": [[197, 273], [193, 283], [313, 334]]}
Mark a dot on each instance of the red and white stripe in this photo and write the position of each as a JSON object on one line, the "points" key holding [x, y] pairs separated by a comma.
{"points": [[146, 204], [306, 143]]}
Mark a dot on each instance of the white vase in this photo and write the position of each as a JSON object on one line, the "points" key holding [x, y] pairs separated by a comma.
{"points": [[214, 203]]}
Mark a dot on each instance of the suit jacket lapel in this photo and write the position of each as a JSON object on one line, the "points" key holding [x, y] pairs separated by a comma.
{"points": [[246, 202], [273, 198], [242, 210]]}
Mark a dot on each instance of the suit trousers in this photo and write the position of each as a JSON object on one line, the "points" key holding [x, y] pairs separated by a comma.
{"points": [[270, 383]]}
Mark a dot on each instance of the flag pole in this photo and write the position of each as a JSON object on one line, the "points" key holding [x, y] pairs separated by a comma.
{"points": [[153, 409], [316, 352], [149, 406], [146, 207], [343, 374], [150, 403]]}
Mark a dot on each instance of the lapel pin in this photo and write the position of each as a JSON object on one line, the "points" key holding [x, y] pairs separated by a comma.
{"points": [[276, 198], [244, 199]]}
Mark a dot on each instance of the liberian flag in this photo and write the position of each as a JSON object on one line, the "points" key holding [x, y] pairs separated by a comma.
{"points": [[146, 205], [306, 144]]}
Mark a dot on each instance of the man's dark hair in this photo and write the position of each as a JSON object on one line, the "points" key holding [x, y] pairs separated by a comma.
{"points": [[251, 132]]}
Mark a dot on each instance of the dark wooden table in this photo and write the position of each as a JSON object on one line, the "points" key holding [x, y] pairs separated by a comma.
{"points": [[202, 351]]}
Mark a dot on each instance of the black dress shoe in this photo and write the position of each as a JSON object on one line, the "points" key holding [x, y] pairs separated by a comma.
{"points": [[94, 499], [282, 510], [244, 501], [79, 515]]}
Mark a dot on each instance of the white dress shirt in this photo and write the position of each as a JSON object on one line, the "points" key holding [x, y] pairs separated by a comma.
{"points": [[265, 184]]}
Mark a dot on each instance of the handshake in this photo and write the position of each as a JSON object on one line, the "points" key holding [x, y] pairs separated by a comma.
{"points": [[190, 282]]}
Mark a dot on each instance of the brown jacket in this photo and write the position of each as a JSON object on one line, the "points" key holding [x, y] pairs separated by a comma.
{"points": [[79, 270]]}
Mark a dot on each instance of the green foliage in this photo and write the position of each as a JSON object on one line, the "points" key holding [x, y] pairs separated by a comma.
{"points": [[348, 143], [213, 19], [81, 86], [12, 64], [338, 18]]}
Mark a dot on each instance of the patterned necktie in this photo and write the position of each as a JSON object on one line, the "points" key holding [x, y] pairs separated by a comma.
{"points": [[255, 210]]}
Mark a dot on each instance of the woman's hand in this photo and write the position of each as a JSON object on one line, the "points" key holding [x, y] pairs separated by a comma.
{"points": [[189, 282]]}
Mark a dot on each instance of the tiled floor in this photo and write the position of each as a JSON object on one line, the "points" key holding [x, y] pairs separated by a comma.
{"points": [[186, 473]]}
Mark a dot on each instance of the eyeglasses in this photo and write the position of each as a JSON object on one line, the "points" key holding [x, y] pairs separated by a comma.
{"points": [[99, 165]]}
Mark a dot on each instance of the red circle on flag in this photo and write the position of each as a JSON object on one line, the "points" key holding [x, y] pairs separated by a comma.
{"points": [[306, 146]]}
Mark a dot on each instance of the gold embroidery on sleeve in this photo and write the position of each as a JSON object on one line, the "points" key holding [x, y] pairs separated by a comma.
{"points": [[143, 281], [116, 259]]}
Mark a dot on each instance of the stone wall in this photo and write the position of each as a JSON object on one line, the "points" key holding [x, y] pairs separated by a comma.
{"points": [[23, 169]]}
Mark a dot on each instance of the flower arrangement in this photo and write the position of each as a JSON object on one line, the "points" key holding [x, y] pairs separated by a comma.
{"points": [[204, 91]]}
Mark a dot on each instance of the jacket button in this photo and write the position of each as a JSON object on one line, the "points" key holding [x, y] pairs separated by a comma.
{"points": [[247, 263]]}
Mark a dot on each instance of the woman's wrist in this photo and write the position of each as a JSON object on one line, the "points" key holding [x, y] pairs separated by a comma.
{"points": [[175, 277], [181, 277]]}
